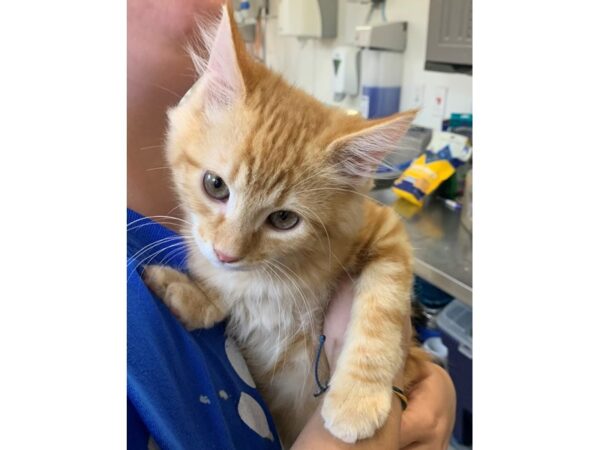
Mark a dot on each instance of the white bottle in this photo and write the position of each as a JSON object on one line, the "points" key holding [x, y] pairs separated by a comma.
{"points": [[244, 12]]}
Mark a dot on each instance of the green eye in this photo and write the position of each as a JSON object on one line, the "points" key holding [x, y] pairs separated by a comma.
{"points": [[283, 220], [215, 187]]}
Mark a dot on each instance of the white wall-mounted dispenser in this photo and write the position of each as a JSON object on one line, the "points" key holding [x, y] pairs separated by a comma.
{"points": [[345, 72], [308, 18], [383, 36]]}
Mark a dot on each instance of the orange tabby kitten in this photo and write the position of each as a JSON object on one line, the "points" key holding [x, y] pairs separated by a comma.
{"points": [[273, 183]]}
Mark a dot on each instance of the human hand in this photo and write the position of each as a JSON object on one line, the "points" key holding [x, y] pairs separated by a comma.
{"points": [[427, 422]]}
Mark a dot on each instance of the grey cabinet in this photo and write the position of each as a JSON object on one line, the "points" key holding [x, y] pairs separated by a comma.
{"points": [[450, 36]]}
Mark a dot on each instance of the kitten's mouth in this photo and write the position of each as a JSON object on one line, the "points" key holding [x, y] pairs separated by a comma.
{"points": [[236, 266], [207, 250]]}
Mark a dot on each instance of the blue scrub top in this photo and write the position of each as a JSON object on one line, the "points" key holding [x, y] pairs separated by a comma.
{"points": [[185, 390]]}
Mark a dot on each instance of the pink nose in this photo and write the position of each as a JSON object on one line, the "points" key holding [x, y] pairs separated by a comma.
{"points": [[224, 257]]}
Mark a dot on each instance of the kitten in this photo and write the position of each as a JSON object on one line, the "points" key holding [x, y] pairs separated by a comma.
{"points": [[273, 184]]}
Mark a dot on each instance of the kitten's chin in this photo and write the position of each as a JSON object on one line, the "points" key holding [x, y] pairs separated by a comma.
{"points": [[236, 267], [230, 267]]}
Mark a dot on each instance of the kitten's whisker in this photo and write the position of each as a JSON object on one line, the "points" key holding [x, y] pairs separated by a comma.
{"points": [[149, 248], [317, 303], [343, 190], [296, 308], [148, 258], [309, 311], [165, 89], [300, 293], [145, 262], [174, 254], [152, 245], [150, 147], [163, 222], [331, 253], [310, 211], [145, 218], [266, 270], [337, 260], [179, 205], [305, 179]]}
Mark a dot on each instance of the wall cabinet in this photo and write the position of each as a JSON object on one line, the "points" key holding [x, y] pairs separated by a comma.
{"points": [[450, 36]]}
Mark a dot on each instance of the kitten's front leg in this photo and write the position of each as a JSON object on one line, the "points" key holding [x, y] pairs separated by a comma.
{"points": [[184, 297], [359, 399]]}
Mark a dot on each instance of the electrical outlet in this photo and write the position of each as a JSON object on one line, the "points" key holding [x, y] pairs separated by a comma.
{"points": [[439, 101]]}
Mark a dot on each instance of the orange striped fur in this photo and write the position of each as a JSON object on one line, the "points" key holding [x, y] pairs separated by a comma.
{"points": [[277, 148]]}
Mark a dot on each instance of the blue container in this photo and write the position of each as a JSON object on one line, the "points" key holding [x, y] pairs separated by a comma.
{"points": [[456, 324], [380, 101], [430, 296], [381, 79]]}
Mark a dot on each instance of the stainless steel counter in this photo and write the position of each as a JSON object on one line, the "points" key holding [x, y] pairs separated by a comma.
{"points": [[442, 246]]}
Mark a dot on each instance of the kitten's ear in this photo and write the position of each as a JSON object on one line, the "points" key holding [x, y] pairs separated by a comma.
{"points": [[221, 80], [357, 155]]}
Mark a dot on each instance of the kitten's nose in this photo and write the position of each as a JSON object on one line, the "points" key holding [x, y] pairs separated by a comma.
{"points": [[224, 257]]}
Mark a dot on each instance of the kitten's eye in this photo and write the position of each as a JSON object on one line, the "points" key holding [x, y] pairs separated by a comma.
{"points": [[283, 220], [215, 187]]}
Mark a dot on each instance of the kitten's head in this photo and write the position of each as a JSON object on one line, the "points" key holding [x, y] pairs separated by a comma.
{"points": [[264, 171]]}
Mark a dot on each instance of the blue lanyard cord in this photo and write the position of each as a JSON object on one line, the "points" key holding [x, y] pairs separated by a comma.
{"points": [[399, 392], [319, 350]]}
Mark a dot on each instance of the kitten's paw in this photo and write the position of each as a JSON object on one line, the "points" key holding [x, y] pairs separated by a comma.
{"points": [[158, 278], [184, 303], [182, 297], [355, 411]]}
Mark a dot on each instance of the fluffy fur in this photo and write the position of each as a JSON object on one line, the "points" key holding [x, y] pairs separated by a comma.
{"points": [[279, 149]]}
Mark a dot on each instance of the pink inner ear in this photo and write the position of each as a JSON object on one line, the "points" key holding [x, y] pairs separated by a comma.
{"points": [[223, 78], [359, 154]]}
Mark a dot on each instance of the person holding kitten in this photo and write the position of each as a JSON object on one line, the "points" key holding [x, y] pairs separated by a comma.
{"points": [[181, 390]]}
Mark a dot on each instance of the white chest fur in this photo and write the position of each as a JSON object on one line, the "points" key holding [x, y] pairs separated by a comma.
{"points": [[268, 312]]}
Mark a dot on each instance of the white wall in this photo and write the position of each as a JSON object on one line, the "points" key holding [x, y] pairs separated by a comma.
{"points": [[308, 64]]}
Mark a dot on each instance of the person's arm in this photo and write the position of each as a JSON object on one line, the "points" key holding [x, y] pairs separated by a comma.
{"points": [[428, 419], [159, 72]]}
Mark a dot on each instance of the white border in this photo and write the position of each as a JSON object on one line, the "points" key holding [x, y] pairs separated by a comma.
{"points": [[62, 321]]}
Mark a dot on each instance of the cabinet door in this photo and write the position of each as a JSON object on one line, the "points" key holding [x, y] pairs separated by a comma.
{"points": [[450, 34]]}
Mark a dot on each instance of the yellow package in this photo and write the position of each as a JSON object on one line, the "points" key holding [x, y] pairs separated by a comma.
{"points": [[445, 152]]}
